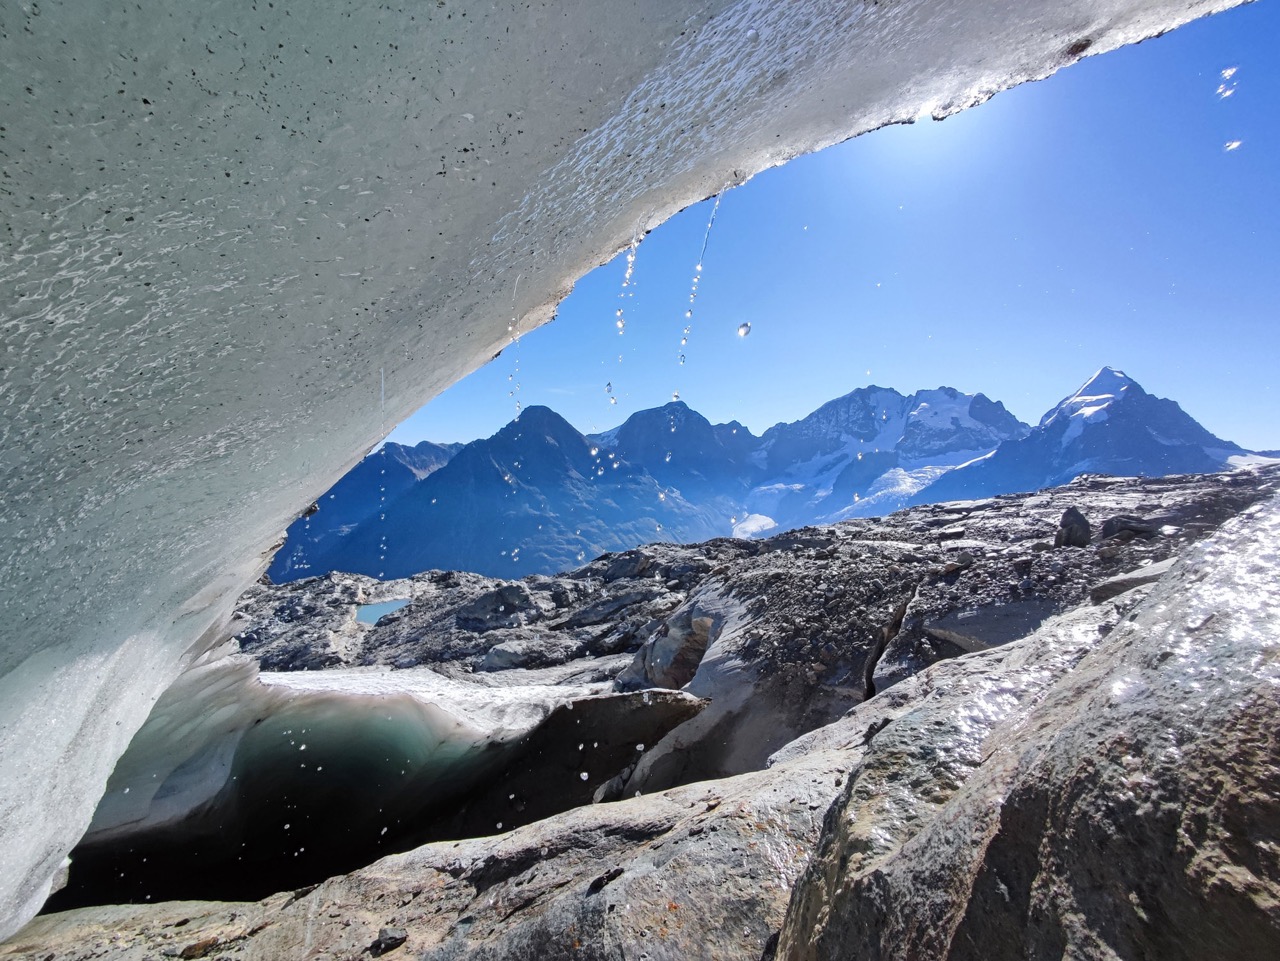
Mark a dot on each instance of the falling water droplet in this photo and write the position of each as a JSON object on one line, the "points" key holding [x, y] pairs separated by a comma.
{"points": [[613, 400], [583, 775], [594, 452], [675, 395], [753, 34], [668, 457], [608, 388], [744, 329], [682, 360]]}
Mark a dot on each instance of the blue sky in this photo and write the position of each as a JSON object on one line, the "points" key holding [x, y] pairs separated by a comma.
{"points": [[1093, 218]]}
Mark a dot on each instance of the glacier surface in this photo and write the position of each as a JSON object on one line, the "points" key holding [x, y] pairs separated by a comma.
{"points": [[243, 241]]}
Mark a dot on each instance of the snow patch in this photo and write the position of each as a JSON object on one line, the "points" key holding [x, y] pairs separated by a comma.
{"points": [[753, 525]]}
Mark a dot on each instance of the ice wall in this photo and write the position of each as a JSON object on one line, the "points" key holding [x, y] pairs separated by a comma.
{"points": [[224, 223]]}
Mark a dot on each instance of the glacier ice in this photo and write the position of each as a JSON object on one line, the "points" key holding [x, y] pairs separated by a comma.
{"points": [[243, 770], [229, 226]]}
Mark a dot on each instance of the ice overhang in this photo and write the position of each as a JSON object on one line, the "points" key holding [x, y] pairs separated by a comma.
{"points": [[228, 224]]}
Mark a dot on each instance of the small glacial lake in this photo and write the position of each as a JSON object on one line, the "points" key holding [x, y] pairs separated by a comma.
{"points": [[369, 613]]}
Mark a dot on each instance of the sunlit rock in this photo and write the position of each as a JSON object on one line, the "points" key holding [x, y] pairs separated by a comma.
{"points": [[1129, 811]]}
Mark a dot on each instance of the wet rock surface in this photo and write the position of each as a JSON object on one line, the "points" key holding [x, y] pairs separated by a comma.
{"points": [[1130, 813], [931, 735]]}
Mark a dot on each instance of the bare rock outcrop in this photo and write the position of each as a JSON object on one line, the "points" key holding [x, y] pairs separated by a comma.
{"points": [[1130, 813]]}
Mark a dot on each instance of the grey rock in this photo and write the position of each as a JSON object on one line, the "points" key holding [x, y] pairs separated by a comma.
{"points": [[1127, 523], [508, 606], [1073, 530], [1121, 583], [979, 628], [388, 940]]}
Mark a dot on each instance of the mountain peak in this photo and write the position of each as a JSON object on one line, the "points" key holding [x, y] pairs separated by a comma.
{"points": [[1106, 387]]}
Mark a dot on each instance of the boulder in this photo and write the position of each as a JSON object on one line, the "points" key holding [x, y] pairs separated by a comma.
{"points": [[1073, 530]]}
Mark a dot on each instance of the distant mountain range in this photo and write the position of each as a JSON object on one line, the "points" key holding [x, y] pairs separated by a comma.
{"points": [[539, 497]]}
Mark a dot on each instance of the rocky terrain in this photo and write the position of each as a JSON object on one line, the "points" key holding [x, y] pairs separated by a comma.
{"points": [[1027, 726]]}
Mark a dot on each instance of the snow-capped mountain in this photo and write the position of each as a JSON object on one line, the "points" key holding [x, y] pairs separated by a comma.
{"points": [[679, 446], [535, 497], [865, 453], [374, 482], [1109, 425], [538, 496]]}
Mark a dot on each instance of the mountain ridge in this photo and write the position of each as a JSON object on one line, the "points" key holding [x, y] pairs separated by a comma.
{"points": [[538, 496]]}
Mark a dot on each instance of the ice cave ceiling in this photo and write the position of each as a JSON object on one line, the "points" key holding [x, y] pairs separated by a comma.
{"points": [[228, 223]]}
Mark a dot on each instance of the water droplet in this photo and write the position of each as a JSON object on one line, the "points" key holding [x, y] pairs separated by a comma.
{"points": [[639, 747], [753, 34], [594, 452], [668, 457], [744, 329], [1229, 73], [675, 395], [608, 388], [1231, 145], [583, 775], [613, 400], [662, 495], [682, 360]]}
